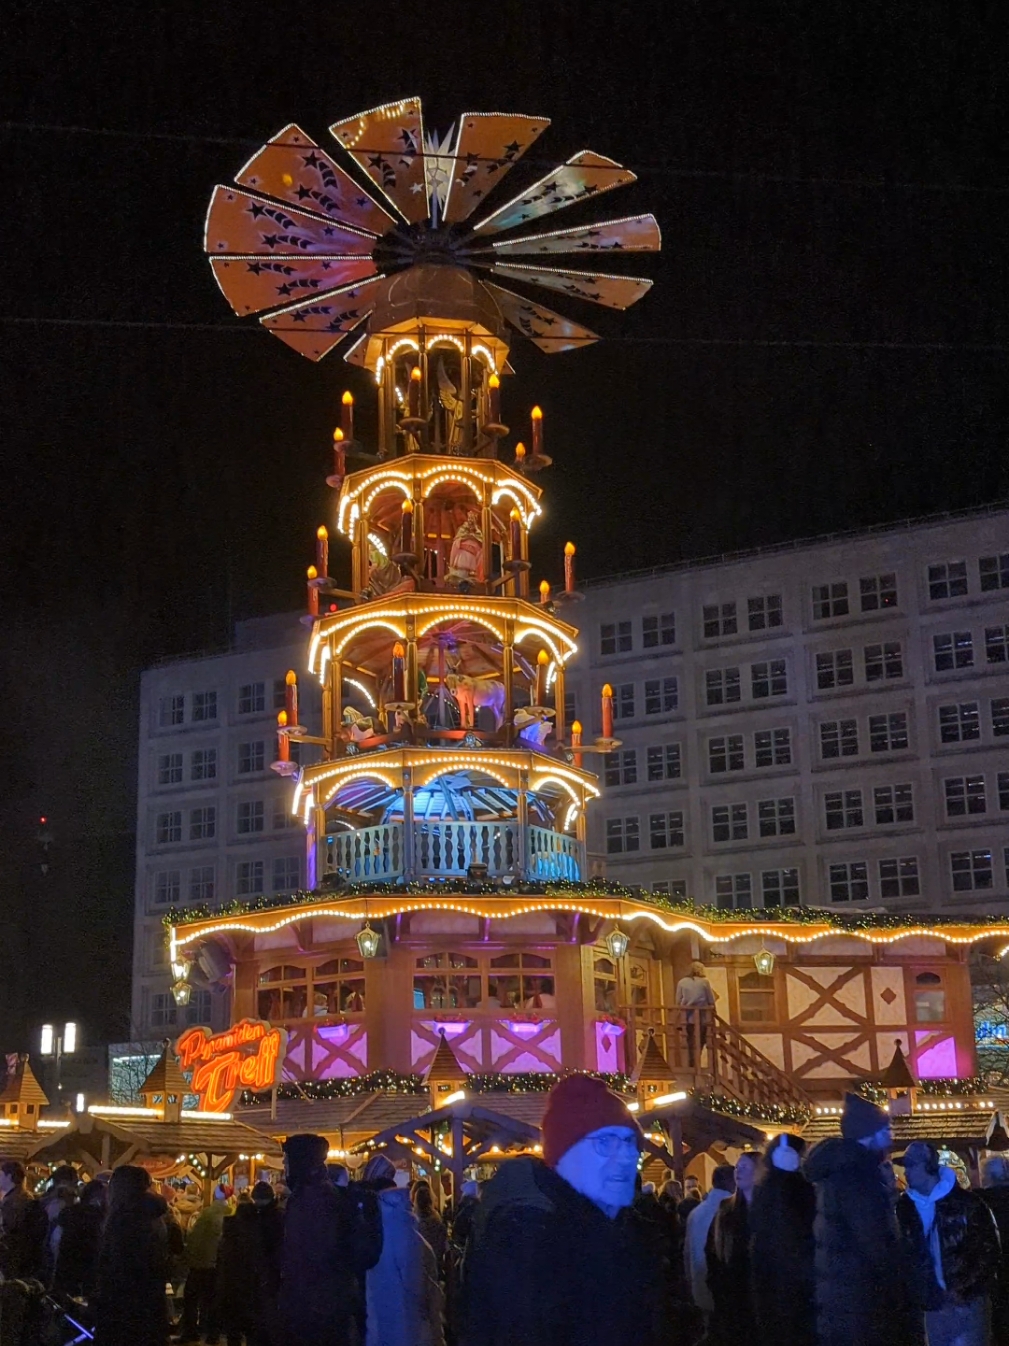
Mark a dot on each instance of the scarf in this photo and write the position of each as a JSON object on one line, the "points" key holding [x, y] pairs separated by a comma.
{"points": [[925, 1206]]}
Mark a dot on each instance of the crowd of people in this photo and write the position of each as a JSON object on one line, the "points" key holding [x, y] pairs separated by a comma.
{"points": [[842, 1246]]}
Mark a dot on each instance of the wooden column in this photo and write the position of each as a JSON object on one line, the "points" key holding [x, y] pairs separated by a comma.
{"points": [[465, 382], [571, 1008], [508, 678], [523, 822], [408, 855], [487, 524], [560, 723]]}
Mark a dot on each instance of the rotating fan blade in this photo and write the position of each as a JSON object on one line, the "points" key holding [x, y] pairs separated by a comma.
{"points": [[611, 291], [488, 145], [636, 233], [388, 143], [585, 174], [546, 329], [238, 223], [315, 326], [250, 284], [293, 168]]}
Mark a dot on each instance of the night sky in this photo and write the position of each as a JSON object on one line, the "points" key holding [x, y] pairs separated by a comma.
{"points": [[825, 346]]}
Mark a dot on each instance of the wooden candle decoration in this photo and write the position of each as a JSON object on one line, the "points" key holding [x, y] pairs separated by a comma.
{"points": [[347, 416], [494, 390], [406, 537], [515, 534], [291, 697], [413, 400], [569, 567], [520, 455], [398, 672], [313, 591], [322, 551], [576, 740], [339, 453], [544, 591], [283, 742], [536, 417], [607, 710], [540, 685]]}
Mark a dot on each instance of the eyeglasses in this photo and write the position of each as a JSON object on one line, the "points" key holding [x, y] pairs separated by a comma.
{"points": [[611, 1143]]}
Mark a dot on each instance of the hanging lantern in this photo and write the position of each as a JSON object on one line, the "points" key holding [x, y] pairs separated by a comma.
{"points": [[368, 941], [181, 968], [617, 942], [764, 962], [181, 992]]}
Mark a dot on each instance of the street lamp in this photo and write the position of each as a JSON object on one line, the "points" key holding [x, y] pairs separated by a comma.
{"points": [[57, 1042]]}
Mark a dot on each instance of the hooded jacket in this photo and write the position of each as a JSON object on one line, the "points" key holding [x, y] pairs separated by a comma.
{"points": [[404, 1299], [727, 1252], [861, 1272], [130, 1306], [781, 1258], [546, 1267], [695, 1241], [318, 1287], [953, 1239]]}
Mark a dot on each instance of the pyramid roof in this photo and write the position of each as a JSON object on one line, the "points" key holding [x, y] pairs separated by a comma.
{"points": [[166, 1077], [23, 1087], [444, 1067], [652, 1065], [898, 1073]]}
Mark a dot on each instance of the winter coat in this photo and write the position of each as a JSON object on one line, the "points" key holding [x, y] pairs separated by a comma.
{"points": [[695, 1242], [462, 1220], [433, 1232], [861, 1273], [968, 1244], [238, 1269], [77, 1255], [130, 1306], [997, 1201], [546, 1267], [204, 1237], [404, 1300], [23, 1232], [318, 1288], [727, 1253], [781, 1259]]}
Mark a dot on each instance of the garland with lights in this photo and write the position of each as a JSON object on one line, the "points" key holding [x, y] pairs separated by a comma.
{"points": [[968, 1087], [390, 1082], [532, 1082], [784, 1114]]}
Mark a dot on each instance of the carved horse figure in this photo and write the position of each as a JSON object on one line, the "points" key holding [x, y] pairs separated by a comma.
{"points": [[473, 693]]}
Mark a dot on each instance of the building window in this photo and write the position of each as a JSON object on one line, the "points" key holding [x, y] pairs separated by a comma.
{"points": [[282, 815], [170, 768], [167, 887], [959, 723], [843, 808], [830, 600], [168, 828], [733, 891], [162, 1010], [623, 701], [899, 878], [286, 874], [249, 877], [878, 591], [204, 706], [954, 649], [965, 795], [947, 580], [661, 695], [994, 572], [888, 733], [621, 768], [203, 823], [664, 762], [780, 887], [996, 644], [849, 882], [201, 883], [756, 998], [729, 822], [970, 870], [615, 638], [252, 698], [726, 754], [883, 661], [623, 835], [764, 612], [1000, 716], [250, 816], [671, 888], [722, 686], [1003, 790], [834, 668], [665, 830], [839, 738], [279, 693], [929, 998], [251, 757], [773, 747], [570, 708], [769, 679], [660, 630], [776, 817], [719, 620], [171, 711], [203, 764], [893, 804]]}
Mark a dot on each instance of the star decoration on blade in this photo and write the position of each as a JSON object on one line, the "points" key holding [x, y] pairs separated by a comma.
{"points": [[295, 212]]}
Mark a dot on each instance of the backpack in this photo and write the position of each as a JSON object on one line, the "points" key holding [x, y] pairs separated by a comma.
{"points": [[365, 1226]]}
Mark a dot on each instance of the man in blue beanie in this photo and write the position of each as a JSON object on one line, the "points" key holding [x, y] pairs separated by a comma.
{"points": [[861, 1281]]}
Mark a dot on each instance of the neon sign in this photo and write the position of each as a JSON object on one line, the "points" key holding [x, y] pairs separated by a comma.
{"points": [[248, 1055]]}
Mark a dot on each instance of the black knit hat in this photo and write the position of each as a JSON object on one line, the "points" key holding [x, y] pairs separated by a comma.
{"points": [[861, 1119], [304, 1153]]}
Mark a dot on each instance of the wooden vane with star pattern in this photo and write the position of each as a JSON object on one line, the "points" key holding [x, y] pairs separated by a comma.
{"points": [[304, 241]]}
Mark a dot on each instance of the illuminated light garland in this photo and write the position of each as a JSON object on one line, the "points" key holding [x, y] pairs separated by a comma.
{"points": [[353, 682], [378, 544], [495, 630], [391, 1082], [787, 1114], [359, 630]]}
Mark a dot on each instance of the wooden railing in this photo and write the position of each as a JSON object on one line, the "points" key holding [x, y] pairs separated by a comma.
{"points": [[708, 1054], [447, 849]]}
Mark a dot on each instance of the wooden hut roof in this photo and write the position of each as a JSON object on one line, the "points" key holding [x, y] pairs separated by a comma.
{"points": [[652, 1065], [166, 1077], [898, 1073], [444, 1067], [23, 1087]]}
